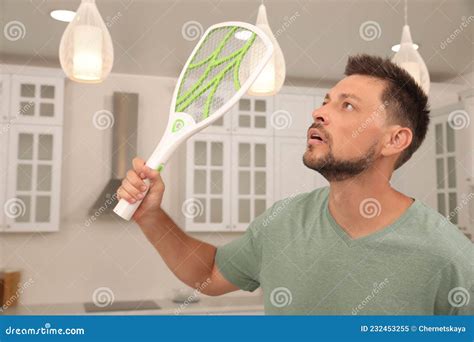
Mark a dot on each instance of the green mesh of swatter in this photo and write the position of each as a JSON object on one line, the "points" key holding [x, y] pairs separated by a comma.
{"points": [[222, 67]]}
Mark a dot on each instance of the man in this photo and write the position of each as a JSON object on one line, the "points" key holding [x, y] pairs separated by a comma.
{"points": [[356, 247]]}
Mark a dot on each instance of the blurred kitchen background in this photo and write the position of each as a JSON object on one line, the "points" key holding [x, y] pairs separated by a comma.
{"points": [[65, 145]]}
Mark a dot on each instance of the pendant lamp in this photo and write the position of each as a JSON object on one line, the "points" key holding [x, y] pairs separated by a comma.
{"points": [[86, 52], [271, 79], [410, 60]]}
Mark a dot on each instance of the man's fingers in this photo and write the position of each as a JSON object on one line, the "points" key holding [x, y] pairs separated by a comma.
{"points": [[123, 194], [152, 175], [138, 164], [136, 181], [132, 190]]}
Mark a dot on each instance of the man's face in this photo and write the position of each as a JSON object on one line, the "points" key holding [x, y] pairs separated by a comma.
{"points": [[350, 123]]}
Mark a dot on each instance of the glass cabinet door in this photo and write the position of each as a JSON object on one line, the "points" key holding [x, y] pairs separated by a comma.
{"points": [[206, 206], [251, 116], [34, 168], [252, 179], [37, 100], [452, 165]]}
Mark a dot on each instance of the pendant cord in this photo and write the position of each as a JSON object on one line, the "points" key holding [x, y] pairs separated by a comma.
{"points": [[406, 12]]}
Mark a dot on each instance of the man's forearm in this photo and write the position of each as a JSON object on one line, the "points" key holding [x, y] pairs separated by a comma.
{"points": [[189, 259]]}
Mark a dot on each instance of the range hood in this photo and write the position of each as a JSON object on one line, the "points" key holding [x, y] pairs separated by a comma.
{"points": [[124, 149]]}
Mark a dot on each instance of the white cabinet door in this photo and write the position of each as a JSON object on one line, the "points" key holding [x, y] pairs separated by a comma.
{"points": [[34, 170], [37, 100], [3, 170], [452, 163], [206, 206], [4, 98], [292, 114], [251, 116], [252, 178], [291, 175]]}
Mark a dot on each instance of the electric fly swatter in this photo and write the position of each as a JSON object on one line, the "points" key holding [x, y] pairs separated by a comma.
{"points": [[222, 67]]}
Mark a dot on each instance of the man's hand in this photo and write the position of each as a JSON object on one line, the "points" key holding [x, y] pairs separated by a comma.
{"points": [[133, 189]]}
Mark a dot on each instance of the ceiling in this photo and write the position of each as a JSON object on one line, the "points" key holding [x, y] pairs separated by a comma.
{"points": [[316, 36]]}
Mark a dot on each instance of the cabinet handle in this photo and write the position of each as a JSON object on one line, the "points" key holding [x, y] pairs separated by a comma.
{"points": [[227, 226]]}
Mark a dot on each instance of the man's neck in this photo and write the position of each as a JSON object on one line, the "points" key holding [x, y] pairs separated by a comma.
{"points": [[364, 204]]}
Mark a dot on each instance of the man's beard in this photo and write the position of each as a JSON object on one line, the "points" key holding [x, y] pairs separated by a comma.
{"points": [[338, 170]]}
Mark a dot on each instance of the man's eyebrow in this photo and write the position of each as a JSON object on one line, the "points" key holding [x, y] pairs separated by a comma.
{"points": [[344, 96]]}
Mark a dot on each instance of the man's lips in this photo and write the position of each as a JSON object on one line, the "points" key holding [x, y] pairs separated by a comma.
{"points": [[315, 137]]}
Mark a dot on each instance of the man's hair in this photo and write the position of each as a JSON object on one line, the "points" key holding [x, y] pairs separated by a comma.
{"points": [[406, 102]]}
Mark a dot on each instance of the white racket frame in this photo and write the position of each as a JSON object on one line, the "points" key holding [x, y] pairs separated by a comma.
{"points": [[171, 140]]}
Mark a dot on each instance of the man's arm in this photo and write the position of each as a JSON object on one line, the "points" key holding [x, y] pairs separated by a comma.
{"points": [[191, 260]]}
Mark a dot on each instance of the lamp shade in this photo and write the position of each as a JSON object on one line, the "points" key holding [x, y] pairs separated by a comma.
{"points": [[86, 52], [410, 60], [271, 79]]}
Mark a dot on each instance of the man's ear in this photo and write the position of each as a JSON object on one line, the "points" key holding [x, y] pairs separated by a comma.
{"points": [[396, 140]]}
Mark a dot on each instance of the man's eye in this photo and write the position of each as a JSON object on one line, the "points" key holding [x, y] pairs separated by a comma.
{"points": [[348, 106]]}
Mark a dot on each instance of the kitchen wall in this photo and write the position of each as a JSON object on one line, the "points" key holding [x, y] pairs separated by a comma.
{"points": [[69, 265]]}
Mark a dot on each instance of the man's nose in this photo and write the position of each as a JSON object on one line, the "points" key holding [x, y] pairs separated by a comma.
{"points": [[320, 115]]}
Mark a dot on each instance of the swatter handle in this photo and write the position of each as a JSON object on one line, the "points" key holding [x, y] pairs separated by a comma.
{"points": [[125, 210], [160, 156]]}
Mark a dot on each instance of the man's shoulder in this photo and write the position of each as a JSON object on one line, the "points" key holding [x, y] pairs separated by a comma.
{"points": [[438, 234]]}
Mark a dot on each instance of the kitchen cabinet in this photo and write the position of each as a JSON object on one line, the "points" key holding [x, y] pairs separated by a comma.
{"points": [[30, 149], [32, 190], [452, 164]]}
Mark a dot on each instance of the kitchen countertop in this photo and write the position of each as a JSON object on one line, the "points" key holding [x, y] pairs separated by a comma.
{"points": [[225, 305]]}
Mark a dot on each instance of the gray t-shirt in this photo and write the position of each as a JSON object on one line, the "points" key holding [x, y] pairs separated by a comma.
{"points": [[307, 264]]}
